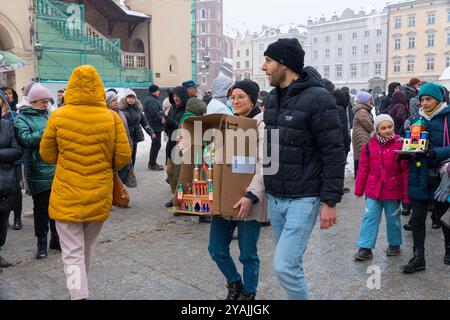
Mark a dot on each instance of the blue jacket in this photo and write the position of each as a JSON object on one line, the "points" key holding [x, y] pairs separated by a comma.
{"points": [[418, 188]]}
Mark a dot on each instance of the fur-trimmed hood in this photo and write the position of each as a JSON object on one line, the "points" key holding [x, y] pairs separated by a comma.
{"points": [[123, 103]]}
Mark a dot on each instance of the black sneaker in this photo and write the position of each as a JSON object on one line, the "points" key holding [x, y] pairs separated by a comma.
{"points": [[436, 224], [169, 204], [234, 290], [363, 254], [393, 251], [447, 255], [346, 190], [407, 227]]}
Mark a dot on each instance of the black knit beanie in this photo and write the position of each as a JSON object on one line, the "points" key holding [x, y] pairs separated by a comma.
{"points": [[249, 87], [288, 52]]}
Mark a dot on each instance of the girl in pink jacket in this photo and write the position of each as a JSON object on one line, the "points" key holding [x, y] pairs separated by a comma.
{"points": [[384, 180]]}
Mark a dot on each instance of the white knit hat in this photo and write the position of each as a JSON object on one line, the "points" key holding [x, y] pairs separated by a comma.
{"points": [[381, 118]]}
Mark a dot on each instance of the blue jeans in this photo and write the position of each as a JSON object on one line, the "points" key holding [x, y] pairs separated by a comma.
{"points": [[220, 237], [292, 222], [371, 222]]}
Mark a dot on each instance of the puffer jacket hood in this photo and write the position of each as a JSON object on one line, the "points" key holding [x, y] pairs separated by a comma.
{"points": [[196, 106], [342, 98], [123, 101], [182, 93], [398, 98], [392, 87], [85, 88], [220, 88]]}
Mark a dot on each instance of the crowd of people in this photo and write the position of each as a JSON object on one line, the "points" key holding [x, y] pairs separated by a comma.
{"points": [[68, 152]]}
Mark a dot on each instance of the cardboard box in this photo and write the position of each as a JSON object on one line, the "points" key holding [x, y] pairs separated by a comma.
{"points": [[234, 159]]}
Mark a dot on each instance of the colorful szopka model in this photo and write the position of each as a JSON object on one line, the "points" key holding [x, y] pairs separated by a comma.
{"points": [[198, 196], [417, 139]]}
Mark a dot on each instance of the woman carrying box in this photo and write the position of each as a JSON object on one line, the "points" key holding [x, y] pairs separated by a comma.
{"points": [[252, 211]]}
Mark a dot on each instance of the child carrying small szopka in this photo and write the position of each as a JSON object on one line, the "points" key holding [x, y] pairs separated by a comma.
{"points": [[383, 177]]}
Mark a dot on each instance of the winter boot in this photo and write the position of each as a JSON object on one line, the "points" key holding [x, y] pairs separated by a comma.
{"points": [[246, 296], [17, 222], [417, 263], [393, 251], [234, 290], [41, 247], [447, 255], [54, 242], [363, 254]]}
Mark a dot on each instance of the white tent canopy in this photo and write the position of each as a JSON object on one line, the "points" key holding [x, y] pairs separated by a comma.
{"points": [[445, 78]]}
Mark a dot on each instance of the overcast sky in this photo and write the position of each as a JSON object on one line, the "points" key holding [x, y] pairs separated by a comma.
{"points": [[252, 14]]}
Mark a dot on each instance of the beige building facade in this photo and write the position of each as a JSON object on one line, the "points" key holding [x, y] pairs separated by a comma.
{"points": [[170, 39], [243, 56], [418, 40], [15, 37]]}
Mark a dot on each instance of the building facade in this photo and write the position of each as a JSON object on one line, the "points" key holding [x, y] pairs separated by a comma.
{"points": [[170, 39], [261, 41], [350, 50], [211, 43], [16, 25], [419, 40], [243, 56]]}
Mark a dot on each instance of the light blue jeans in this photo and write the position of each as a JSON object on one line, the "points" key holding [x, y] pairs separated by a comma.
{"points": [[371, 223], [293, 221]]}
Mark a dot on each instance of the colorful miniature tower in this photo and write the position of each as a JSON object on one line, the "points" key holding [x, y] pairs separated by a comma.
{"points": [[417, 139]]}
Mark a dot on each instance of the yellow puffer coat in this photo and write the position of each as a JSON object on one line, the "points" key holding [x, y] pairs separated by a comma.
{"points": [[82, 138]]}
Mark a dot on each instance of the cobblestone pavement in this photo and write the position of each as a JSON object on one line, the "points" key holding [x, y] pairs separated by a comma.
{"points": [[146, 253]]}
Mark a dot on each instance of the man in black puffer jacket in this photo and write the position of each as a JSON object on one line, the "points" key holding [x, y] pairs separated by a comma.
{"points": [[311, 159]]}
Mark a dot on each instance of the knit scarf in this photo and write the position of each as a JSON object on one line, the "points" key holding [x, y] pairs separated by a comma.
{"points": [[383, 141], [430, 113]]}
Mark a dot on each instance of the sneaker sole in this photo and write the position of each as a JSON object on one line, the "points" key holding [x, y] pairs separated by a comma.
{"points": [[363, 259], [392, 254], [415, 270]]}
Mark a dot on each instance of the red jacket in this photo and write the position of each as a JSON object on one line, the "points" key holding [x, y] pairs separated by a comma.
{"points": [[380, 174]]}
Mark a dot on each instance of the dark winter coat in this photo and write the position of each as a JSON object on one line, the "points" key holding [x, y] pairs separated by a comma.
{"points": [[29, 127], [311, 149], [153, 112], [387, 100], [135, 119], [410, 93], [174, 117], [342, 101], [418, 188], [398, 110], [10, 152]]}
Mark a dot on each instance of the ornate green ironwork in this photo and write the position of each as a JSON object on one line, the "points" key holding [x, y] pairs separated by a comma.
{"points": [[68, 41]]}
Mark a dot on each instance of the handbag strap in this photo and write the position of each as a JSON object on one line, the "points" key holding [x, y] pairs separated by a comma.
{"points": [[446, 135], [114, 119]]}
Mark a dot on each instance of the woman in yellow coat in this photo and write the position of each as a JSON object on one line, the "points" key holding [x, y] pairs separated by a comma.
{"points": [[85, 140]]}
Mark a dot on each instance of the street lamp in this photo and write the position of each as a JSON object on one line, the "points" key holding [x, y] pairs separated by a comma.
{"points": [[38, 50]]}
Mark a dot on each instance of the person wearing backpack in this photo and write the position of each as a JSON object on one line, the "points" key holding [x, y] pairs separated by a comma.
{"points": [[384, 181]]}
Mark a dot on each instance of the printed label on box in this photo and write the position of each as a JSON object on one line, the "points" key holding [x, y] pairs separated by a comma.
{"points": [[244, 165]]}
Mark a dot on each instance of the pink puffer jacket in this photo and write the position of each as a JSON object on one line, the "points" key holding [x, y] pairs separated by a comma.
{"points": [[380, 175]]}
